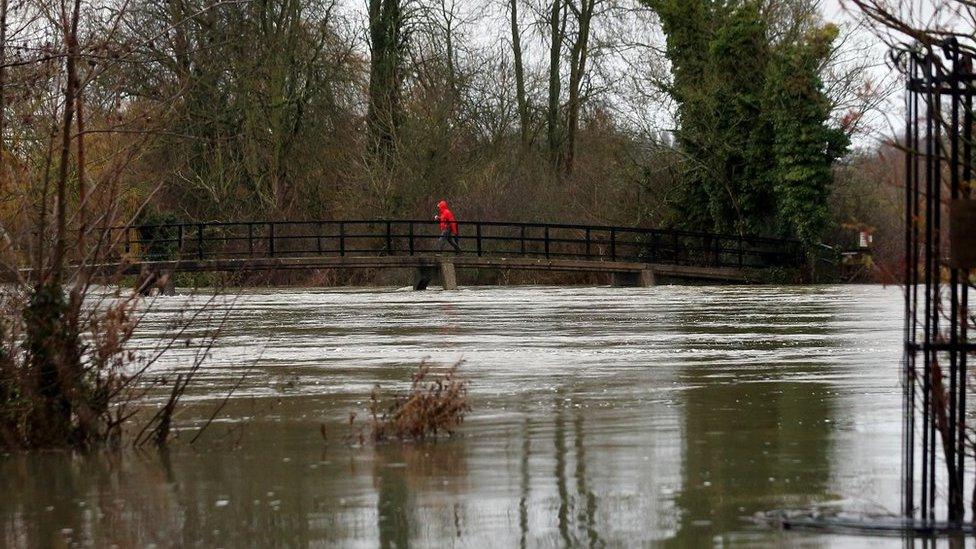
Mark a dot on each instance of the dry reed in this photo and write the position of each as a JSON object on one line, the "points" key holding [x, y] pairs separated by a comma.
{"points": [[433, 404]]}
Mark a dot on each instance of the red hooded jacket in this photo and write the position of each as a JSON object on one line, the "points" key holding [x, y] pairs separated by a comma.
{"points": [[446, 217]]}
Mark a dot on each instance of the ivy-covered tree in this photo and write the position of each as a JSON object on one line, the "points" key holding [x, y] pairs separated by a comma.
{"points": [[805, 145], [753, 118], [688, 27], [387, 44]]}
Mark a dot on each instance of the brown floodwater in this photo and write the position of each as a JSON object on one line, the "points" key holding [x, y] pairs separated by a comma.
{"points": [[601, 417]]}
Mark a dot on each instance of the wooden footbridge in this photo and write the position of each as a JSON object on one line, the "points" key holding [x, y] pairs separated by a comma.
{"points": [[632, 256]]}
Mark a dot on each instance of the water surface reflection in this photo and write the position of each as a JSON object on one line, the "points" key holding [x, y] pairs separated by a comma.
{"points": [[603, 416]]}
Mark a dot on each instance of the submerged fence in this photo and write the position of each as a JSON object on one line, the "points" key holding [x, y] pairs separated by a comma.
{"points": [[227, 240]]}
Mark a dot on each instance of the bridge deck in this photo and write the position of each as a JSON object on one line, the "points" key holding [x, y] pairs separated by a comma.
{"points": [[725, 274], [385, 243]]}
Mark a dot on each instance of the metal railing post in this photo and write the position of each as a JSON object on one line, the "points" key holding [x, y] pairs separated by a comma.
{"points": [[613, 244], [740, 252], [389, 238], [179, 238], [588, 243], [318, 237], [410, 237], [199, 240], [522, 239], [477, 229], [271, 239], [547, 241], [342, 238], [250, 239]]}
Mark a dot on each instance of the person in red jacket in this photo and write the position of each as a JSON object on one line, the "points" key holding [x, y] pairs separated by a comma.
{"points": [[449, 228]]}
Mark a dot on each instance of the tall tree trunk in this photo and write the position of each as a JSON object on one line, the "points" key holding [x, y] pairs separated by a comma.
{"points": [[82, 186], [576, 72], [385, 36], [70, 90], [450, 53], [3, 91], [556, 27], [523, 104], [181, 48]]}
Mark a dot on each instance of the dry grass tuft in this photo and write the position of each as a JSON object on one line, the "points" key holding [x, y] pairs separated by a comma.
{"points": [[434, 404]]}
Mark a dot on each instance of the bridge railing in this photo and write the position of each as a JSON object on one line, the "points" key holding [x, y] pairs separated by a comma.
{"points": [[229, 240]]}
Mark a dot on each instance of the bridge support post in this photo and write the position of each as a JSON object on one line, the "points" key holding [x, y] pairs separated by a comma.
{"points": [[643, 278], [427, 273], [448, 276], [647, 278], [168, 286], [423, 275], [149, 280]]}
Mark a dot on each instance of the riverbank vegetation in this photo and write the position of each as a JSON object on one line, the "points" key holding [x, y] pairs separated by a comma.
{"points": [[69, 374], [725, 116]]}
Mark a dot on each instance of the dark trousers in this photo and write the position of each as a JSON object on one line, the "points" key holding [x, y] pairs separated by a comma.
{"points": [[448, 238]]}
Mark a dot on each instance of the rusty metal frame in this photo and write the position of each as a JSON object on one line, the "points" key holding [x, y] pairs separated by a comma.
{"points": [[938, 170]]}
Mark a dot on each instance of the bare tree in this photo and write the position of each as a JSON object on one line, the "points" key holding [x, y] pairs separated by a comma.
{"points": [[577, 70], [557, 30], [522, 100], [67, 374], [927, 22]]}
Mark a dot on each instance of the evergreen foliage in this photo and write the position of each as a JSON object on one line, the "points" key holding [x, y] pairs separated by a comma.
{"points": [[753, 119], [805, 146]]}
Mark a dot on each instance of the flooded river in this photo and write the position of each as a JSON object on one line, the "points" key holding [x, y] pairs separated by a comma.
{"points": [[601, 417]]}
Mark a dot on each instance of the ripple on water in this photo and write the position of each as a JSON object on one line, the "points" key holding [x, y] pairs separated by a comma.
{"points": [[601, 415]]}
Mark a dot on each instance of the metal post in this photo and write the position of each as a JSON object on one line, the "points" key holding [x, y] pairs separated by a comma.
{"points": [[956, 509], [937, 304], [547, 241], [342, 238], [250, 239], [318, 237], [271, 239], [908, 404], [199, 240], [522, 239], [967, 163], [587, 243], [928, 442], [410, 237], [477, 229], [613, 244], [389, 238]]}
